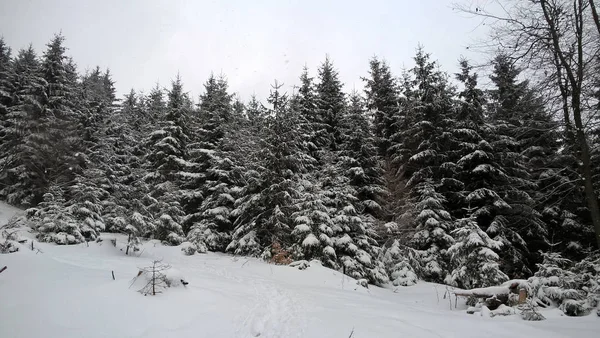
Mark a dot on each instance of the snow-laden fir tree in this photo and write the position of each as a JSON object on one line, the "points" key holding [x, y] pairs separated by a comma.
{"points": [[222, 185], [85, 203], [166, 159], [305, 102], [522, 132], [263, 212], [53, 221], [360, 160], [330, 102], [354, 236], [312, 233], [474, 259], [421, 151], [382, 101], [21, 177], [214, 115], [6, 88], [399, 261], [432, 238]]}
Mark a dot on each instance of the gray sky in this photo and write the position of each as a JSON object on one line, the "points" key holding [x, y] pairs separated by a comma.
{"points": [[251, 42]]}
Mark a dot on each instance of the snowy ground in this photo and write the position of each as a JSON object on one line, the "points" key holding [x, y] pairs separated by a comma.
{"points": [[68, 291]]}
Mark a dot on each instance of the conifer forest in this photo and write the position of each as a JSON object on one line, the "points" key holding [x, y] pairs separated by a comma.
{"points": [[468, 179]]}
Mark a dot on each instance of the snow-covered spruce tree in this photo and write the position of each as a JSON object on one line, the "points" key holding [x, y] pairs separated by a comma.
{"points": [[330, 104], [263, 212], [214, 115], [382, 101], [360, 161], [166, 159], [92, 185], [354, 237], [255, 111], [573, 287], [474, 257], [522, 134], [399, 261], [53, 221], [21, 179], [202, 175], [58, 144], [420, 151], [121, 157], [432, 233], [315, 130], [223, 182], [85, 203], [7, 88], [312, 232], [154, 107]]}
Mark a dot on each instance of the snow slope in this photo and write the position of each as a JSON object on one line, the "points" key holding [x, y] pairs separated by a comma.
{"points": [[68, 291]]}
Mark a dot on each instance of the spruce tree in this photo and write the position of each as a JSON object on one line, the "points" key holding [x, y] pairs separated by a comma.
{"points": [[474, 258], [522, 131], [6, 88], [214, 116], [382, 101], [305, 102], [421, 151], [359, 159], [264, 212], [20, 177], [330, 103], [166, 159]]}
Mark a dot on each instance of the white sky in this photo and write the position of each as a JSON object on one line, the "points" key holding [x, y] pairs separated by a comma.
{"points": [[251, 42]]}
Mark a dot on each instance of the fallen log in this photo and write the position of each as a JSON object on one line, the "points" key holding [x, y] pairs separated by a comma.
{"points": [[504, 289], [494, 296], [4, 268]]}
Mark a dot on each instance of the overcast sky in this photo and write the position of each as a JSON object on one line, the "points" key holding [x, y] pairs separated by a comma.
{"points": [[251, 42]]}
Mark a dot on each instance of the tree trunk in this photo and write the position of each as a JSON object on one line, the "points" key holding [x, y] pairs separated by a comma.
{"points": [[595, 14], [574, 73], [586, 169]]}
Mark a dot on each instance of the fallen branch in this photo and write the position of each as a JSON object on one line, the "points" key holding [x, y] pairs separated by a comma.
{"points": [[4, 268]]}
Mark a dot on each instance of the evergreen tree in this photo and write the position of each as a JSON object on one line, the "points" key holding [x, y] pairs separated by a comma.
{"points": [[6, 88], [305, 102], [166, 159], [474, 258], [522, 131], [422, 153], [265, 208], [255, 111], [57, 145], [359, 158], [330, 103], [53, 221], [215, 115], [432, 233], [20, 178], [382, 101]]}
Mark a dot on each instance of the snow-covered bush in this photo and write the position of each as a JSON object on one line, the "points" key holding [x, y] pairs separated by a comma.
{"points": [[9, 236], [398, 264], [188, 248], [300, 265], [53, 221], [529, 312], [574, 288], [473, 257]]}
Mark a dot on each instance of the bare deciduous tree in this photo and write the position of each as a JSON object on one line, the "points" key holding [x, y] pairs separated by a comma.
{"points": [[559, 42]]}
